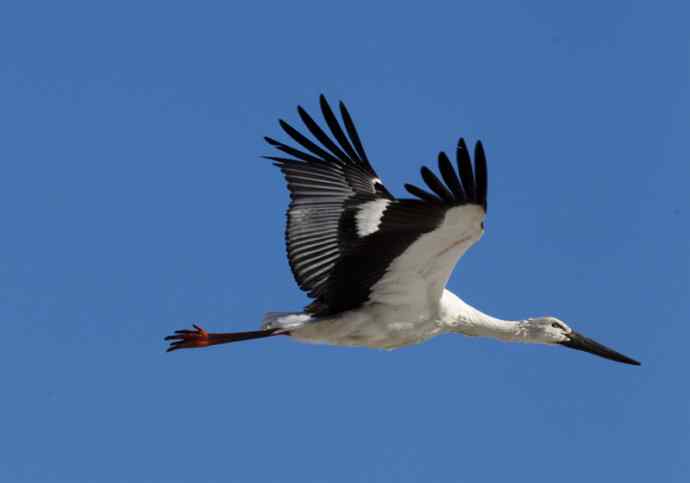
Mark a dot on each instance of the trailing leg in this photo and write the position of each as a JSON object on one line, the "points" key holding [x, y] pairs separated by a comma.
{"points": [[190, 339]]}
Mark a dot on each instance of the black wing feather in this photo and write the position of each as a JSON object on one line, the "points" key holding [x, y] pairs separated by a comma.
{"points": [[470, 187], [465, 169], [301, 155], [421, 194], [322, 136], [335, 128], [307, 144], [352, 132], [436, 186], [450, 176], [481, 174]]}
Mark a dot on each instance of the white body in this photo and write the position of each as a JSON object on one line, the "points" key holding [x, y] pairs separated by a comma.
{"points": [[382, 326]]}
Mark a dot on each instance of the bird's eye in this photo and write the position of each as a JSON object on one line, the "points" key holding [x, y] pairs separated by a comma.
{"points": [[556, 325]]}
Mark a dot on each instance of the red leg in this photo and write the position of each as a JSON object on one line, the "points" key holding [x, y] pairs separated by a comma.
{"points": [[190, 339]]}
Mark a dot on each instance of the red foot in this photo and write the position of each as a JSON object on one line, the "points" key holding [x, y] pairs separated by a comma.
{"points": [[188, 339]]}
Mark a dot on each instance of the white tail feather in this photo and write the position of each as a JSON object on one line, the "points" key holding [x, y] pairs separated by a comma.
{"points": [[284, 320]]}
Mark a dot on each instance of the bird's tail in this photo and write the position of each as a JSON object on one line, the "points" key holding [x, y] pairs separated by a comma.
{"points": [[285, 320]]}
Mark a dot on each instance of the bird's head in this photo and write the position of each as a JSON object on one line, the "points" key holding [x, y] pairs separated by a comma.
{"points": [[550, 330]]}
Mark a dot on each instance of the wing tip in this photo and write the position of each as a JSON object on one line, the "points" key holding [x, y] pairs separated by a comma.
{"points": [[467, 185], [340, 149]]}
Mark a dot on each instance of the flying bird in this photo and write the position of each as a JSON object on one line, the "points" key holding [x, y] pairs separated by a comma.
{"points": [[376, 266]]}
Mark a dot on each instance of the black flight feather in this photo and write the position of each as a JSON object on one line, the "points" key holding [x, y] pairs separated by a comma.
{"points": [[320, 135], [292, 151], [335, 128], [436, 186], [469, 187], [450, 177], [306, 143], [481, 174], [465, 169], [421, 194], [352, 132]]}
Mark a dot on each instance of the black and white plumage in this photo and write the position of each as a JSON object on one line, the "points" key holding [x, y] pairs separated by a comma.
{"points": [[376, 266], [344, 227]]}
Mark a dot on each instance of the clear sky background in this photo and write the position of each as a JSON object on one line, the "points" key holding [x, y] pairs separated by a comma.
{"points": [[134, 203]]}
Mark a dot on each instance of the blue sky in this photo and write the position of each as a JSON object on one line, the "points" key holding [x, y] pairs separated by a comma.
{"points": [[134, 203]]}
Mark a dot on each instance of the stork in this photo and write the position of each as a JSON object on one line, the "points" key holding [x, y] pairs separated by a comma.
{"points": [[376, 266]]}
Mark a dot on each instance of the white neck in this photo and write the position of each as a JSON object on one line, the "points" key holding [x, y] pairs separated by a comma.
{"points": [[457, 316]]}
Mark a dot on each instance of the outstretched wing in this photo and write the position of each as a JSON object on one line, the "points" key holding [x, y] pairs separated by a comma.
{"points": [[346, 234], [322, 181]]}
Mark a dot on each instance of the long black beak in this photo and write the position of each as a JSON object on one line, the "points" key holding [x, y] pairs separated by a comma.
{"points": [[582, 343]]}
